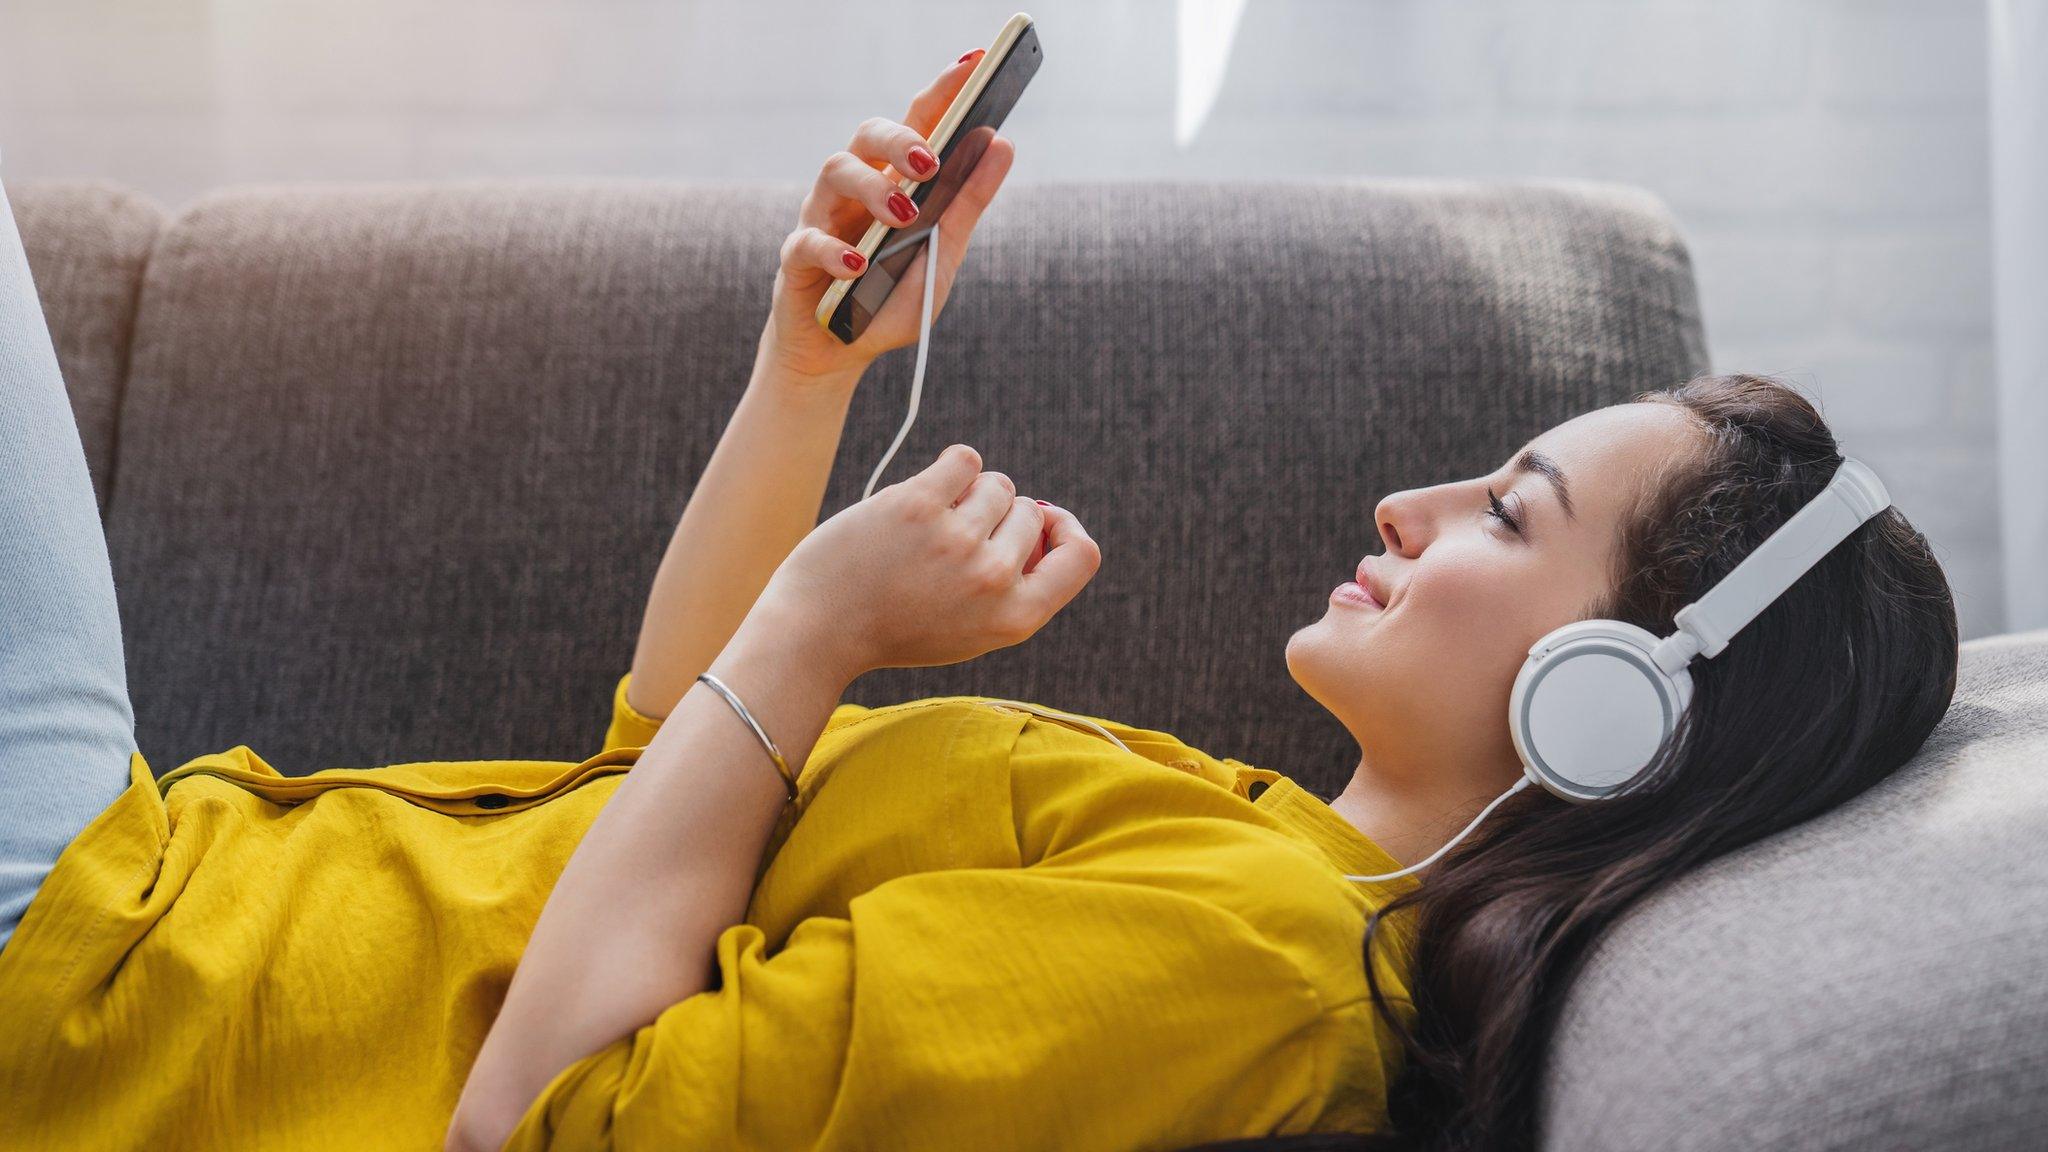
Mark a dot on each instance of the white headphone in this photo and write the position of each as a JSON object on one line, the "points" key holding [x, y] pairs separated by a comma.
{"points": [[1595, 700]]}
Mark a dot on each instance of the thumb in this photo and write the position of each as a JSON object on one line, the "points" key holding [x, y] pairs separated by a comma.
{"points": [[990, 169], [973, 199], [1070, 561]]}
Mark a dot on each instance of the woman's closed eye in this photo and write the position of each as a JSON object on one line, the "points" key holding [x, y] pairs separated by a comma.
{"points": [[1499, 511]]}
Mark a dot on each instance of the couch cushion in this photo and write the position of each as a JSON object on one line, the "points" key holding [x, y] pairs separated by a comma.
{"points": [[399, 462], [87, 242], [1868, 980]]}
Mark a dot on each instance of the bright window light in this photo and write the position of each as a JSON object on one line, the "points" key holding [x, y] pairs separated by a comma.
{"points": [[1208, 28]]}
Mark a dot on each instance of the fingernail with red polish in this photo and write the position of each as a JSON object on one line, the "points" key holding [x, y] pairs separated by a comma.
{"points": [[922, 161], [853, 261], [901, 206], [1047, 503], [970, 56]]}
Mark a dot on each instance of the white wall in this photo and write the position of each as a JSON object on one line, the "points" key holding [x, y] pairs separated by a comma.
{"points": [[1827, 158], [2019, 212]]}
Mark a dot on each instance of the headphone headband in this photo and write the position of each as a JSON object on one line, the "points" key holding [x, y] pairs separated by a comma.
{"points": [[1854, 495]]}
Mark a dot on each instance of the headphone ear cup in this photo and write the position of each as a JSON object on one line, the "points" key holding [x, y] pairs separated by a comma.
{"points": [[1590, 708]]}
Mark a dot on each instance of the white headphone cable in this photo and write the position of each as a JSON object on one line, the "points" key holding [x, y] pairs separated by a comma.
{"points": [[924, 339], [1432, 857], [1056, 714], [1415, 867]]}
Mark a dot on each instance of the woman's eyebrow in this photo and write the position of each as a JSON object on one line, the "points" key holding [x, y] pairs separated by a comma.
{"points": [[1533, 461]]}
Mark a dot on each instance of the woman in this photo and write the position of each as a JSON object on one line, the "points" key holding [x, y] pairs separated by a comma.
{"points": [[962, 926]]}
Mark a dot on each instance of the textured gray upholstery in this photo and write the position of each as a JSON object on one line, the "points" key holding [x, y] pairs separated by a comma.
{"points": [[398, 463], [1870, 980], [87, 242]]}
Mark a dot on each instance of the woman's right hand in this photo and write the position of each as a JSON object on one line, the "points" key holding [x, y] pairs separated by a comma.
{"points": [[935, 569], [855, 188]]}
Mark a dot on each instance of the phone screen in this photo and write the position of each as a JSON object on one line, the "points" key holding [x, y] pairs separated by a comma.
{"points": [[957, 161]]}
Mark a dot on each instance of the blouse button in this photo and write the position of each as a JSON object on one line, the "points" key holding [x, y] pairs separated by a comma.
{"points": [[493, 800]]}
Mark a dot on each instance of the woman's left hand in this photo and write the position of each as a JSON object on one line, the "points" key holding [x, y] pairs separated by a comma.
{"points": [[939, 567], [854, 189]]}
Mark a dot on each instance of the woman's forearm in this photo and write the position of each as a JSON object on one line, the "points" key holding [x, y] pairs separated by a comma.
{"points": [[669, 863], [760, 493], [759, 496]]}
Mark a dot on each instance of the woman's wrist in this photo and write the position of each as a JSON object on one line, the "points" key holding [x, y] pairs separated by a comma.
{"points": [[776, 365], [798, 643]]}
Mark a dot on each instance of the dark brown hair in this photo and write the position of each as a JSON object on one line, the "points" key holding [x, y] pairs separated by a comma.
{"points": [[1829, 691]]}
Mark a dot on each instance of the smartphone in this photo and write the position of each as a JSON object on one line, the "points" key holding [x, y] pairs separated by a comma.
{"points": [[962, 136]]}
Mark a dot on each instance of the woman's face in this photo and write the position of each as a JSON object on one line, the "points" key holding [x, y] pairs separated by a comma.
{"points": [[1422, 678]]}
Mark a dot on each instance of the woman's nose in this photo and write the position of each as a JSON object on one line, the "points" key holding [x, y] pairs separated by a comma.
{"points": [[1403, 523]]}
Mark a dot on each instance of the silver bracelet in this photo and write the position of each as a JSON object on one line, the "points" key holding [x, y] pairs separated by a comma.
{"points": [[781, 765]]}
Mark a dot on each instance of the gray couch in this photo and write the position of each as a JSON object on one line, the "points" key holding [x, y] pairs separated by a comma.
{"points": [[386, 471]]}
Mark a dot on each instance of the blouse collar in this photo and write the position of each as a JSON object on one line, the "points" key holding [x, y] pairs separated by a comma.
{"points": [[1316, 822]]}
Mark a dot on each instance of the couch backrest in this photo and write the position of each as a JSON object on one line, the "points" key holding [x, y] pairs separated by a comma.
{"points": [[87, 243], [1867, 980], [397, 463]]}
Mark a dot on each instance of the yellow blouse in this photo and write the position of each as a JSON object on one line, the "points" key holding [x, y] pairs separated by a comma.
{"points": [[985, 930]]}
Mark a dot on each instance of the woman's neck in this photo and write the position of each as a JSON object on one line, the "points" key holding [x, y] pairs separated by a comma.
{"points": [[1411, 815]]}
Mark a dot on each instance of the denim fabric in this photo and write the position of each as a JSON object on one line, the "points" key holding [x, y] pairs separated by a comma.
{"points": [[66, 727]]}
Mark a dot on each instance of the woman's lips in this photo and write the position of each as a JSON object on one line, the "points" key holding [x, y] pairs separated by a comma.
{"points": [[1363, 578], [1352, 592]]}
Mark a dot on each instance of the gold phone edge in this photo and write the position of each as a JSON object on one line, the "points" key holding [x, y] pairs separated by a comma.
{"points": [[943, 132]]}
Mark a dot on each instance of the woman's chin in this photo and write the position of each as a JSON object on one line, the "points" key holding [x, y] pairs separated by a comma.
{"points": [[1320, 654], [1339, 626]]}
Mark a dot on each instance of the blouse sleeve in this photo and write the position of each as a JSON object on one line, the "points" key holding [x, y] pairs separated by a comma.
{"points": [[629, 728], [1135, 1015]]}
